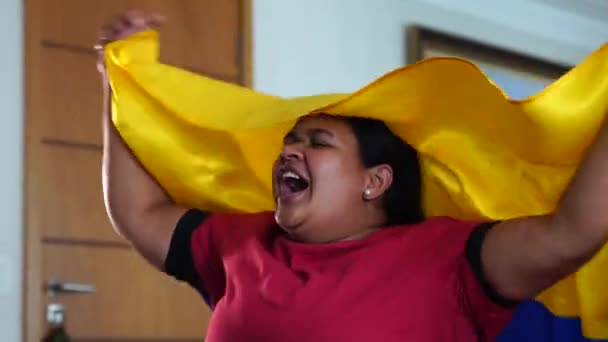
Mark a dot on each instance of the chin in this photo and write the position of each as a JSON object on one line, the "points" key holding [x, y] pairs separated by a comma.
{"points": [[288, 221]]}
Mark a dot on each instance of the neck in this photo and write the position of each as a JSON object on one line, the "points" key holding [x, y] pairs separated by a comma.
{"points": [[356, 227], [306, 238], [360, 235]]}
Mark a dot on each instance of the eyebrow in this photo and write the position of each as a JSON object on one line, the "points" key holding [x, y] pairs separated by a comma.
{"points": [[315, 131], [312, 131]]}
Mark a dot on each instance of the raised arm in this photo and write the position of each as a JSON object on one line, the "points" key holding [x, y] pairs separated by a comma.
{"points": [[524, 256], [138, 207]]}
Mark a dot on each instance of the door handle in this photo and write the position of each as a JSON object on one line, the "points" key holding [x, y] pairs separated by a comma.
{"points": [[56, 287]]}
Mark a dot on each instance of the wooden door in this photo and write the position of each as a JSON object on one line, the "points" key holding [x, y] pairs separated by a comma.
{"points": [[68, 234]]}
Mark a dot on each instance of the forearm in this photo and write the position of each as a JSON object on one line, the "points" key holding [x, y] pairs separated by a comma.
{"points": [[138, 207], [128, 187], [524, 256], [583, 209]]}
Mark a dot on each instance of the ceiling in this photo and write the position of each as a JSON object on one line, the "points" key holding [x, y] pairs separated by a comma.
{"points": [[593, 9]]}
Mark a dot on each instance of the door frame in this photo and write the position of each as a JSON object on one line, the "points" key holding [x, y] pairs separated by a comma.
{"points": [[33, 295]]}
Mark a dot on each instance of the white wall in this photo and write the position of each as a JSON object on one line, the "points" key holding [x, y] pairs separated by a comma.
{"points": [[11, 179], [315, 46]]}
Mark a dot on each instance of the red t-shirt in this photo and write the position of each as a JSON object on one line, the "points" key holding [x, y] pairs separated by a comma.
{"points": [[418, 282]]}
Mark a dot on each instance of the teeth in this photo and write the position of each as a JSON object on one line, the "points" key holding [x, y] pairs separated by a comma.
{"points": [[291, 174]]}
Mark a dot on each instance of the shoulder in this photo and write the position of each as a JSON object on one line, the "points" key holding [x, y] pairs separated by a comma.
{"points": [[463, 241], [460, 237], [198, 231], [448, 224], [457, 240], [444, 231], [195, 219], [227, 228], [203, 227], [238, 220]]}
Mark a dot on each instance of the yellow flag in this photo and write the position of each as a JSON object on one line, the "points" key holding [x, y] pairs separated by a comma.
{"points": [[484, 156]]}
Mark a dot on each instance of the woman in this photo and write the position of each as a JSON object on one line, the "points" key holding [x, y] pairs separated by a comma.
{"points": [[347, 255]]}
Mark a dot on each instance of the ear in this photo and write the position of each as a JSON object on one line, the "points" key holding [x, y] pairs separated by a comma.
{"points": [[378, 180]]}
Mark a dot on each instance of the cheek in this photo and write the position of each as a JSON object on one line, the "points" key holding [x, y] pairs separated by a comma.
{"points": [[337, 174], [275, 167]]}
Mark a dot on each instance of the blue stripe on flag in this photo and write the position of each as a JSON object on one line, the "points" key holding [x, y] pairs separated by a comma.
{"points": [[532, 322]]}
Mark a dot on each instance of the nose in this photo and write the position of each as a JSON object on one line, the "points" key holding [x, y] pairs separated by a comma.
{"points": [[291, 152]]}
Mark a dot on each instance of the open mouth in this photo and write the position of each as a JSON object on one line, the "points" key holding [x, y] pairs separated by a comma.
{"points": [[290, 182]]}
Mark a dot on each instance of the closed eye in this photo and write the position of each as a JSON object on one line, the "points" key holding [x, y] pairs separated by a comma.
{"points": [[315, 137], [320, 138], [291, 138], [315, 142]]}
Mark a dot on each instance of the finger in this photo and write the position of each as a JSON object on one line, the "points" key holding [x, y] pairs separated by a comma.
{"points": [[126, 22], [111, 29], [120, 25], [155, 20], [103, 41], [106, 30], [135, 19], [133, 13], [108, 33]]}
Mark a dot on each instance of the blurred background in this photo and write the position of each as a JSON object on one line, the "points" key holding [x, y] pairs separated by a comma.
{"points": [[61, 263]]}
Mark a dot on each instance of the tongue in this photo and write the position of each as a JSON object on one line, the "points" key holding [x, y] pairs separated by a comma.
{"points": [[292, 185]]}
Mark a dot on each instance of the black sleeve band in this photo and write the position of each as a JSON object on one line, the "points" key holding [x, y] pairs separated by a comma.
{"points": [[179, 262], [473, 253]]}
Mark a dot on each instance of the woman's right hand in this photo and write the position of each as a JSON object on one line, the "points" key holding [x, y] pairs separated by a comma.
{"points": [[121, 27]]}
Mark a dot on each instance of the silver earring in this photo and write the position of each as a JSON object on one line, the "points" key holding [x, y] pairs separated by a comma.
{"points": [[367, 193]]}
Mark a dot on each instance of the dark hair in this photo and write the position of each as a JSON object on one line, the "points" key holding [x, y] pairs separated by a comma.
{"points": [[379, 145]]}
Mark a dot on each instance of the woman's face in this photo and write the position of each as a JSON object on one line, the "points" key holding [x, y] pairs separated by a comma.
{"points": [[319, 180]]}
